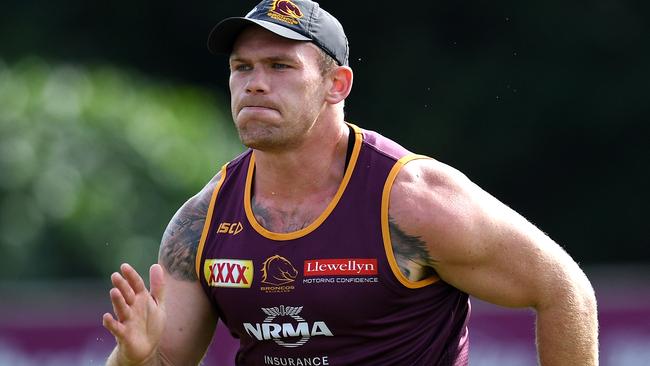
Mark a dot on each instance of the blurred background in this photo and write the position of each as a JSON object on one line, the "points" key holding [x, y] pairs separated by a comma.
{"points": [[112, 114]]}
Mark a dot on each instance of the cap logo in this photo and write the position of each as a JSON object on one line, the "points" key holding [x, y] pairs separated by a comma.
{"points": [[285, 11]]}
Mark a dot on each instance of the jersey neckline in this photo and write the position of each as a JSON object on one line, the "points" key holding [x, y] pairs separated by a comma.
{"points": [[323, 216]]}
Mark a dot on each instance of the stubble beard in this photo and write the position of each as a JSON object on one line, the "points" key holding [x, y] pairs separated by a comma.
{"points": [[287, 133], [273, 138], [281, 136]]}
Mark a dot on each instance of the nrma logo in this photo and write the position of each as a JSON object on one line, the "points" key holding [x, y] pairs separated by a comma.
{"points": [[281, 333]]}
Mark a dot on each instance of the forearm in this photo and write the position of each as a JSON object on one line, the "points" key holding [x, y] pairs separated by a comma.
{"points": [[567, 327]]}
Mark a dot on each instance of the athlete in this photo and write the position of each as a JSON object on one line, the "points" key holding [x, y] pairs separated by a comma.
{"points": [[328, 244]]}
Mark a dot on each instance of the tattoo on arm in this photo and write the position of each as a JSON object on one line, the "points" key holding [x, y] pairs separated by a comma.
{"points": [[181, 239], [411, 253]]}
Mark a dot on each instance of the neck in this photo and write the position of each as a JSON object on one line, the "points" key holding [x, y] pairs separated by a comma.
{"points": [[316, 166]]}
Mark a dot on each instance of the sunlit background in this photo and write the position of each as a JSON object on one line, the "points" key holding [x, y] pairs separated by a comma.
{"points": [[112, 114]]}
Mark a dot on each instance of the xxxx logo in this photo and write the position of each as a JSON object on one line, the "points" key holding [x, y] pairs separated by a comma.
{"points": [[228, 273], [230, 228]]}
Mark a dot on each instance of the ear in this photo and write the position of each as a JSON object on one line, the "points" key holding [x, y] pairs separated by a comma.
{"points": [[341, 84]]}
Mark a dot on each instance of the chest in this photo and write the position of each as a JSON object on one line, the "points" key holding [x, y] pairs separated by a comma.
{"points": [[331, 275], [279, 216]]}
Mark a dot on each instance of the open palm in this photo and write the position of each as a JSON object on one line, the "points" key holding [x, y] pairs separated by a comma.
{"points": [[139, 315]]}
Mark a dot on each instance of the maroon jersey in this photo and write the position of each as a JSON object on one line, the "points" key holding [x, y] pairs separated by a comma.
{"points": [[330, 293]]}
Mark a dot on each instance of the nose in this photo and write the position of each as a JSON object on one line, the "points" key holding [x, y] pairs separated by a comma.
{"points": [[257, 82]]}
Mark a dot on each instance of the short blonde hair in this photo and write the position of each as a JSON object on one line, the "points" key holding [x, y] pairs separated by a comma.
{"points": [[326, 63]]}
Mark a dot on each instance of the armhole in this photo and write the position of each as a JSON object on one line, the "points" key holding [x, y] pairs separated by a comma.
{"points": [[208, 222], [385, 229]]}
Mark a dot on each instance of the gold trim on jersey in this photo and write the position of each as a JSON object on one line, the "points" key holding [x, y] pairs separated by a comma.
{"points": [[208, 221], [385, 229], [311, 227]]}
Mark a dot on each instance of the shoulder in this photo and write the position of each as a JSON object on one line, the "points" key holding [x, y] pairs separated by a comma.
{"points": [[423, 185], [382, 144], [181, 238], [200, 201], [440, 205]]}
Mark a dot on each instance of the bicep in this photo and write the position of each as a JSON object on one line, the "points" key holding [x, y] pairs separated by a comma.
{"points": [[476, 243], [503, 259]]}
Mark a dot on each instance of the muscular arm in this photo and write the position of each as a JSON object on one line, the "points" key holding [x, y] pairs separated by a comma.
{"points": [[190, 318], [443, 222], [174, 322]]}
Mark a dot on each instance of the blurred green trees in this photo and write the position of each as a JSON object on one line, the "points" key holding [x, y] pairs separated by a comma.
{"points": [[94, 161]]}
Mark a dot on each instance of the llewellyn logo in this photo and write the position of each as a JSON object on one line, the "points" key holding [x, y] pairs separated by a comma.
{"points": [[230, 228], [294, 326], [285, 11], [232, 273], [341, 267], [279, 274]]}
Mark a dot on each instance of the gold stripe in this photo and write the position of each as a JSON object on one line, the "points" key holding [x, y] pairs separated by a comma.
{"points": [[385, 230], [208, 221], [314, 225]]}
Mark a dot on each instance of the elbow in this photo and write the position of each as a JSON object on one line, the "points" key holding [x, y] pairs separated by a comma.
{"points": [[582, 292], [586, 297], [570, 292]]}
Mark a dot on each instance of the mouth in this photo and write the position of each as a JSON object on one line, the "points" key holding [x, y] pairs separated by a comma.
{"points": [[257, 111], [253, 108]]}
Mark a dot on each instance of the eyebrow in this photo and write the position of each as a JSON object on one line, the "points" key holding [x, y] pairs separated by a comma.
{"points": [[278, 58]]}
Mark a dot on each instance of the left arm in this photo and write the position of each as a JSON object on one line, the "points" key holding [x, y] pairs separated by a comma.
{"points": [[482, 247]]}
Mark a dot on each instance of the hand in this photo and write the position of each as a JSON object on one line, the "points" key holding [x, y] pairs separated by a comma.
{"points": [[140, 316]]}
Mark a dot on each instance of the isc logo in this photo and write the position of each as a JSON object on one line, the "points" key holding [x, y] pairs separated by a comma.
{"points": [[228, 273], [230, 228]]}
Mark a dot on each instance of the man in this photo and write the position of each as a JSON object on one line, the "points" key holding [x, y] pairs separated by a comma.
{"points": [[326, 244]]}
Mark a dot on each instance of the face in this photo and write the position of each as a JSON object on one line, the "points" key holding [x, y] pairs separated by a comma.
{"points": [[277, 89]]}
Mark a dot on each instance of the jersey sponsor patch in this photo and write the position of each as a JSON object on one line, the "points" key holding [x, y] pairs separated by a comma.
{"points": [[284, 325], [234, 273], [278, 275], [341, 267]]}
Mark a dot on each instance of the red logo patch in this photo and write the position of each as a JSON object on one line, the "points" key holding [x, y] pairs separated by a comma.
{"points": [[228, 273], [341, 267]]}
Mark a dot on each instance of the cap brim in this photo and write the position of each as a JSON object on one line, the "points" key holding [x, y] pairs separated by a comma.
{"points": [[223, 35]]}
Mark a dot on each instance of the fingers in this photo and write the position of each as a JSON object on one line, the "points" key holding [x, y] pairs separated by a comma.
{"points": [[125, 288], [116, 328], [129, 297], [120, 307], [133, 278], [157, 282]]}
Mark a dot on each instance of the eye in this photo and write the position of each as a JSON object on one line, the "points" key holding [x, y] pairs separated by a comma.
{"points": [[279, 66], [241, 67]]}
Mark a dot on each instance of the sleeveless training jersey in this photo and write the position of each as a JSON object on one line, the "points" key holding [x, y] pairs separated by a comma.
{"points": [[330, 293]]}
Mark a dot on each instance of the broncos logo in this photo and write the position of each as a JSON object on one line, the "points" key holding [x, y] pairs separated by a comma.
{"points": [[286, 11], [286, 7], [278, 271]]}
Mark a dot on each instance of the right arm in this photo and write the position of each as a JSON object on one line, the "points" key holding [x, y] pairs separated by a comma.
{"points": [[173, 323]]}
